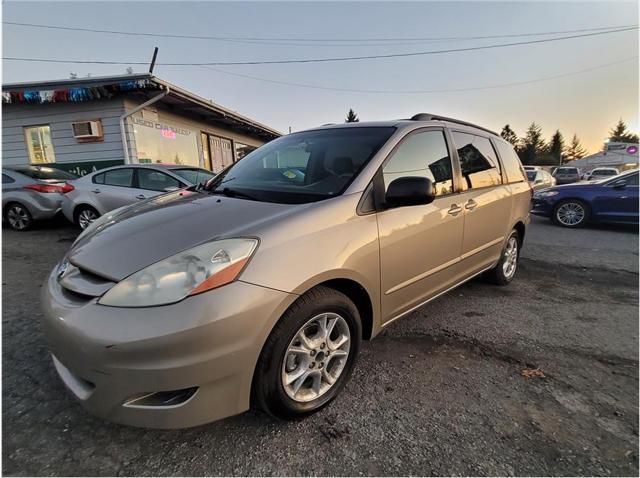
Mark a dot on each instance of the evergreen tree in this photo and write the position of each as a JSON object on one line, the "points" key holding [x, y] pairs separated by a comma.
{"points": [[532, 147], [620, 133], [575, 150], [509, 135], [556, 147], [352, 117]]}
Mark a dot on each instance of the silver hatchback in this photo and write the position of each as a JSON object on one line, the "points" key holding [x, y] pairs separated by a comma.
{"points": [[31, 193], [98, 193]]}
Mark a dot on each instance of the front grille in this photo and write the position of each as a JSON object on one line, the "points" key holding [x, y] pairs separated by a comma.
{"points": [[82, 283]]}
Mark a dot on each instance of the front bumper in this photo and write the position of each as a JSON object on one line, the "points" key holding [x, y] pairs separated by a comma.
{"points": [[542, 206], [108, 355]]}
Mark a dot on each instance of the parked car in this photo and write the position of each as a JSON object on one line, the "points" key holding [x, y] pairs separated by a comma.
{"points": [[600, 173], [31, 193], [612, 200], [107, 189], [540, 179], [261, 284], [566, 175]]}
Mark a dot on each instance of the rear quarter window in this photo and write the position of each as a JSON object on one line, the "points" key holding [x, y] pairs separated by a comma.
{"points": [[41, 172], [511, 163]]}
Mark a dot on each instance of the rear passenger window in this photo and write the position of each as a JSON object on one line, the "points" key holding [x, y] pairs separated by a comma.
{"points": [[118, 177], [478, 161], [155, 180], [425, 155], [511, 162]]}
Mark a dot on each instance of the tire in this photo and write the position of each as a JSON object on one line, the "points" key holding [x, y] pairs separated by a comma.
{"points": [[504, 272], [278, 386], [18, 217], [571, 213], [85, 215]]}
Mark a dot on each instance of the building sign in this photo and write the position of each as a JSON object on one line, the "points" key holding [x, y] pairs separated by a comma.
{"points": [[162, 127], [80, 168]]}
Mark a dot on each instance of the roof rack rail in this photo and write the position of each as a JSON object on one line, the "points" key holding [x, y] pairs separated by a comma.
{"points": [[432, 117]]}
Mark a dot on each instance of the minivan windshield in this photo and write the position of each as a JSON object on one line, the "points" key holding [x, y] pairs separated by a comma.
{"points": [[302, 167]]}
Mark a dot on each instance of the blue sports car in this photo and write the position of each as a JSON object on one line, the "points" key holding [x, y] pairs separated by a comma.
{"points": [[612, 200]]}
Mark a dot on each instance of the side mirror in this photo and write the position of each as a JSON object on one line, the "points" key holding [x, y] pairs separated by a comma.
{"points": [[409, 191], [619, 185]]}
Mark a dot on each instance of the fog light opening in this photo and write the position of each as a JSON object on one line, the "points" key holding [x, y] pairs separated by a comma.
{"points": [[171, 398]]}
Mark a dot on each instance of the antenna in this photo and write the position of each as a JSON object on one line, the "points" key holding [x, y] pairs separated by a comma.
{"points": [[153, 60]]}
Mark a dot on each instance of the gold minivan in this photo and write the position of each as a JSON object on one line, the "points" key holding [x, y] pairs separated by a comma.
{"points": [[258, 286]]}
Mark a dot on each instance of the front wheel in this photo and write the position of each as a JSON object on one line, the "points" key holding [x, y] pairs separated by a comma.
{"points": [[571, 213], [505, 270], [309, 355]]}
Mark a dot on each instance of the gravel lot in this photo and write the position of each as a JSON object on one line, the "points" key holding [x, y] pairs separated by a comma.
{"points": [[438, 393]]}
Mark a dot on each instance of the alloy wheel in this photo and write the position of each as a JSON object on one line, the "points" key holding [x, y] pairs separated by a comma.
{"points": [[316, 357], [510, 258], [570, 214], [86, 217], [18, 217]]}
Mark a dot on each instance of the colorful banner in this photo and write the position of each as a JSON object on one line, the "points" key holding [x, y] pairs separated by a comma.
{"points": [[75, 94]]}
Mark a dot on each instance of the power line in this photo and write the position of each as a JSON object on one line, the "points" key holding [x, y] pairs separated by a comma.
{"points": [[279, 40], [325, 60], [415, 92]]}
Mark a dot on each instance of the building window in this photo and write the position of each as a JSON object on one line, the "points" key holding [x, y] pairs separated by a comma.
{"points": [[39, 144], [242, 150], [159, 142]]}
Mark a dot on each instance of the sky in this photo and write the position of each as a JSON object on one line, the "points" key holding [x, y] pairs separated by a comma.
{"points": [[587, 104]]}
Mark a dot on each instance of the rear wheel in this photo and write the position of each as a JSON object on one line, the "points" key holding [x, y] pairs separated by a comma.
{"points": [[571, 213], [309, 355], [85, 215], [18, 217], [505, 270]]}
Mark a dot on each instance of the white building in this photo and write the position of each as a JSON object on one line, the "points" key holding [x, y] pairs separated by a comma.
{"points": [[617, 155]]}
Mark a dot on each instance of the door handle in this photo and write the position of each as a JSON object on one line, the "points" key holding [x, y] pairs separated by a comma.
{"points": [[141, 196], [454, 210], [471, 204], [96, 191]]}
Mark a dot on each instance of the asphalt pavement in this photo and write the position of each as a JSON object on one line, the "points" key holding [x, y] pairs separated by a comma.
{"points": [[536, 378]]}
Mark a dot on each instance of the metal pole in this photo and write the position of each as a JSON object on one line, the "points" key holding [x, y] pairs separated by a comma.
{"points": [[153, 60]]}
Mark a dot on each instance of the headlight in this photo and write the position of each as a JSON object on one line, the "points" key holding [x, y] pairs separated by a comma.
{"points": [[190, 272], [545, 194]]}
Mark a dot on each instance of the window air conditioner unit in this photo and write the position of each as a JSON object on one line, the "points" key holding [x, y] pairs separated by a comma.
{"points": [[87, 129]]}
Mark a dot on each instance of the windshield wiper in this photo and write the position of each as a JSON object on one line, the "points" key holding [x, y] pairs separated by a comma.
{"points": [[234, 193]]}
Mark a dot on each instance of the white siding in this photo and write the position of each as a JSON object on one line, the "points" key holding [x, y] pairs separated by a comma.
{"points": [[59, 117]]}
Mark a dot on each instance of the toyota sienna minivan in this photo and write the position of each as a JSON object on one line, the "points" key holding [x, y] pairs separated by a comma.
{"points": [[258, 286]]}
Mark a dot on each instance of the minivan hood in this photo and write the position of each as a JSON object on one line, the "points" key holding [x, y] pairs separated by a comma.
{"points": [[165, 225]]}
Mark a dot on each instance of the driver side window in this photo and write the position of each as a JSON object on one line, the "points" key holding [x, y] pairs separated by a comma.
{"points": [[631, 180], [424, 155]]}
